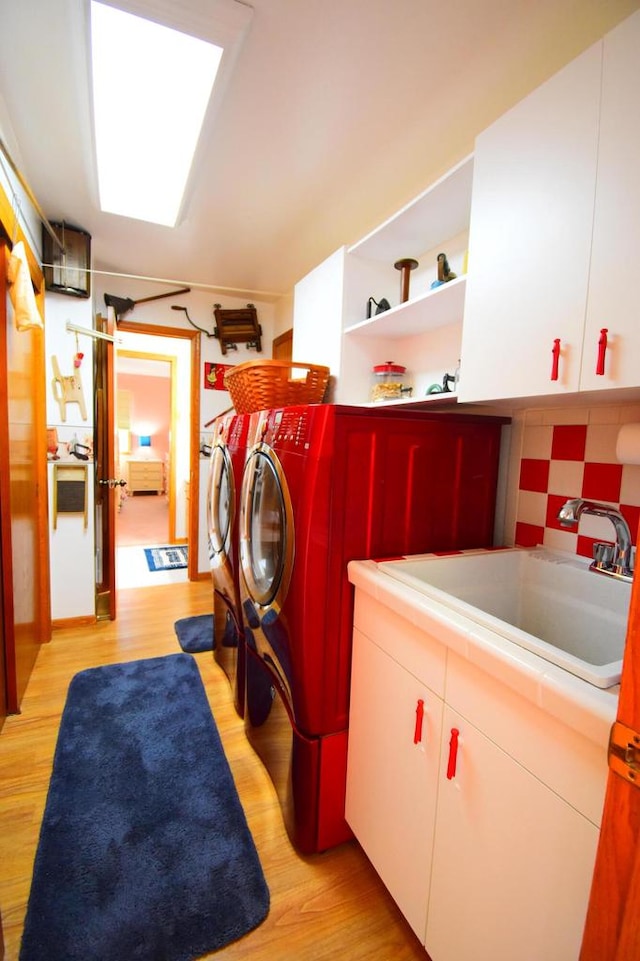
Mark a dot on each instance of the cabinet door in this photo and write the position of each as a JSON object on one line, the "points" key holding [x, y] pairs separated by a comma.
{"points": [[512, 861], [530, 239], [613, 301], [391, 781]]}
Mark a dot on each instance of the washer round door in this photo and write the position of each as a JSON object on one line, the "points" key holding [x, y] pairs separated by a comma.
{"points": [[266, 530], [220, 505]]}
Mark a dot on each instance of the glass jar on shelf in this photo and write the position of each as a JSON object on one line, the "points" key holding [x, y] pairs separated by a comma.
{"points": [[390, 382]]}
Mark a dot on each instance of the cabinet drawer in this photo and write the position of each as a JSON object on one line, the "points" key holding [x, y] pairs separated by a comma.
{"points": [[146, 473], [145, 485]]}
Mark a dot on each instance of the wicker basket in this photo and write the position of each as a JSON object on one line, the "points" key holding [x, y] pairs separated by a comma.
{"points": [[264, 384]]}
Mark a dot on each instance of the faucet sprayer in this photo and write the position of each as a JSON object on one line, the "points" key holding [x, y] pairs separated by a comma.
{"points": [[614, 560]]}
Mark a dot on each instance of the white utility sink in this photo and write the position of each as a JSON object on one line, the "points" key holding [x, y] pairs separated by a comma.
{"points": [[545, 601]]}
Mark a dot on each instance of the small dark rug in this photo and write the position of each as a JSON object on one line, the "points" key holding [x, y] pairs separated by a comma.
{"points": [[169, 558], [195, 634], [144, 851]]}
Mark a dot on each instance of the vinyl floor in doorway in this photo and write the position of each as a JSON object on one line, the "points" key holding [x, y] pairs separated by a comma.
{"points": [[132, 570]]}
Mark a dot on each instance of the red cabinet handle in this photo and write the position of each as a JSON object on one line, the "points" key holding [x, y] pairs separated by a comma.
{"points": [[602, 349], [453, 753], [555, 353], [417, 732]]}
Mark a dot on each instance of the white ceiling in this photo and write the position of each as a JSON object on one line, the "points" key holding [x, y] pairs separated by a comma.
{"points": [[336, 113]]}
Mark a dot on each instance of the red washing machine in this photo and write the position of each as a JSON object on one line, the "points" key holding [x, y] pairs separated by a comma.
{"points": [[228, 453], [323, 485]]}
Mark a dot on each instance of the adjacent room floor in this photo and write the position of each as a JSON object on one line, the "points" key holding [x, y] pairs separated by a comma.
{"points": [[142, 521]]}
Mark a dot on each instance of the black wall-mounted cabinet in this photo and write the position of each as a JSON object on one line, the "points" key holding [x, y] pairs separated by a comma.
{"points": [[67, 270]]}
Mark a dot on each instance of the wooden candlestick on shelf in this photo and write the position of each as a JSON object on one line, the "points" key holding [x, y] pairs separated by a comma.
{"points": [[405, 266]]}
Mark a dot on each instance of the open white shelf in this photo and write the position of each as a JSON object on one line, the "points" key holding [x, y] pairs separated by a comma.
{"points": [[434, 308], [422, 334], [443, 399]]}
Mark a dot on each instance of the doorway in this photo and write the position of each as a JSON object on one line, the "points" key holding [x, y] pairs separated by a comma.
{"points": [[180, 478], [151, 510]]}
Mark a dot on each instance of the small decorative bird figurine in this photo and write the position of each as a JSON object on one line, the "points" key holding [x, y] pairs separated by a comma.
{"points": [[444, 273]]}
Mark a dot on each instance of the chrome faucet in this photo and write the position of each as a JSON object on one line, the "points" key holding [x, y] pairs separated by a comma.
{"points": [[611, 559]]}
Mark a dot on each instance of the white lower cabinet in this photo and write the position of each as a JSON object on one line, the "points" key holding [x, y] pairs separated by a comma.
{"points": [[512, 861], [393, 774], [486, 860]]}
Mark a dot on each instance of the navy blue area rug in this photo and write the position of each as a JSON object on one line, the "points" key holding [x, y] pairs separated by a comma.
{"points": [[195, 634], [170, 558], [144, 851]]}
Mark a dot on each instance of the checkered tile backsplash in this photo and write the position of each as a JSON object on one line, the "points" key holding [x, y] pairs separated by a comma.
{"points": [[573, 454]]}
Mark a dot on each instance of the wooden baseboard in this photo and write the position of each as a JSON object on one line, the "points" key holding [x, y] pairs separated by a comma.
{"points": [[65, 622]]}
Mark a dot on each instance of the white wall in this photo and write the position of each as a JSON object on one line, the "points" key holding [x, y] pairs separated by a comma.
{"points": [[199, 305], [71, 544]]}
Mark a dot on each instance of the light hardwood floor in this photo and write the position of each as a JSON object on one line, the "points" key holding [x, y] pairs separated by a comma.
{"points": [[328, 906]]}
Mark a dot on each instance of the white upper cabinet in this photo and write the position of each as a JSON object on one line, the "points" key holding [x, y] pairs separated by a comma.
{"points": [[613, 300], [530, 239], [548, 207], [555, 233]]}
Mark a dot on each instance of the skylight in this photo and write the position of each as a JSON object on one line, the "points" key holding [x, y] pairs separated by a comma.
{"points": [[151, 88]]}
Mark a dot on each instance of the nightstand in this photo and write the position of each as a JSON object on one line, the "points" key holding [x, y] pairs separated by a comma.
{"points": [[146, 475]]}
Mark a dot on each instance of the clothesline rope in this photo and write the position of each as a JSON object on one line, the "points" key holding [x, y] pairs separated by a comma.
{"points": [[182, 283]]}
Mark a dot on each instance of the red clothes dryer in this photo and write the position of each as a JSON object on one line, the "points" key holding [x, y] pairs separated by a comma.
{"points": [[228, 453], [323, 485]]}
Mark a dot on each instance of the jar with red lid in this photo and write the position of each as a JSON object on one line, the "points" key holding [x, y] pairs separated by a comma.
{"points": [[390, 382]]}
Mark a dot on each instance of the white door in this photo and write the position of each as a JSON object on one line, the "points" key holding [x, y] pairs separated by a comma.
{"points": [[530, 239], [512, 861], [613, 300], [392, 774]]}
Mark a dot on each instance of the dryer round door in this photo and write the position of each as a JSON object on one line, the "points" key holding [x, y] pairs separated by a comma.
{"points": [[266, 529], [220, 504]]}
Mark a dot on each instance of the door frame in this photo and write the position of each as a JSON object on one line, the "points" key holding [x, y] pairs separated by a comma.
{"points": [[156, 330], [19, 650], [612, 932]]}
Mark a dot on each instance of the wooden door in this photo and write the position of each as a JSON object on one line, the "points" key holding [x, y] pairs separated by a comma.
{"points": [[105, 480], [7, 645], [612, 930], [25, 590], [282, 346]]}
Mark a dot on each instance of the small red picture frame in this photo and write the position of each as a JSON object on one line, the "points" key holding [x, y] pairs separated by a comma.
{"points": [[214, 375]]}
